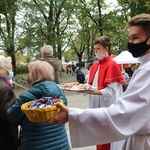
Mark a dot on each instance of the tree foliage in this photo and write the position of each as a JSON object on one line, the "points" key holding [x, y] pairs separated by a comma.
{"points": [[8, 10], [135, 6], [26, 25], [49, 22]]}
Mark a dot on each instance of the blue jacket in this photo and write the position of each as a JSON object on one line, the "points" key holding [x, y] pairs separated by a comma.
{"points": [[80, 76], [39, 136]]}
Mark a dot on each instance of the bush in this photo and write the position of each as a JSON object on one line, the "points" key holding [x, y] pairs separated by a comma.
{"points": [[22, 68]]}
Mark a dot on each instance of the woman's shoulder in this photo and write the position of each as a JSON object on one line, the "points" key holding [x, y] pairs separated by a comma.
{"points": [[50, 82], [42, 84]]}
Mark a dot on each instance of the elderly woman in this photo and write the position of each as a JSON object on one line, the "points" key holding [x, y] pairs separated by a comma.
{"points": [[8, 132], [39, 136], [6, 69]]}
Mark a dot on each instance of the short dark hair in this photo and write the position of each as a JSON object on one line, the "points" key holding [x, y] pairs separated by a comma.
{"points": [[104, 41]]}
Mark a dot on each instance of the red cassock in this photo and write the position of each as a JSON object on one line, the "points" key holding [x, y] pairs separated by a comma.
{"points": [[109, 72], [103, 147]]}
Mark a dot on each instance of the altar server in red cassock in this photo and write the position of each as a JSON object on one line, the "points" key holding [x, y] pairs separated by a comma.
{"points": [[106, 76]]}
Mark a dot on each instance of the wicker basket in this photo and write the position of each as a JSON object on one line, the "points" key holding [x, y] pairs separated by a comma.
{"points": [[39, 114]]}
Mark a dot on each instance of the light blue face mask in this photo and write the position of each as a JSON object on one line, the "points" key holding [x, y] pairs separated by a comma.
{"points": [[10, 75]]}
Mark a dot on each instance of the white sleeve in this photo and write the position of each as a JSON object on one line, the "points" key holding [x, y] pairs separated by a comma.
{"points": [[117, 122], [113, 90]]}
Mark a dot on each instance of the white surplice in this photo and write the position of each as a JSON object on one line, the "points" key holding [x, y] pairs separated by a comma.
{"points": [[109, 94], [128, 119]]}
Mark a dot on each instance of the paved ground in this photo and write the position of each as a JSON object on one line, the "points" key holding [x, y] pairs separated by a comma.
{"points": [[77, 100]]}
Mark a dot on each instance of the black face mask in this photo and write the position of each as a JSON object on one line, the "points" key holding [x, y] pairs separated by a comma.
{"points": [[138, 49]]}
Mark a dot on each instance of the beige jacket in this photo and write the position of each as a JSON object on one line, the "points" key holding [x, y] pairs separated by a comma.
{"points": [[57, 65]]}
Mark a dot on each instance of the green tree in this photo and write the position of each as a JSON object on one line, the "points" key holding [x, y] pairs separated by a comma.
{"points": [[48, 21], [135, 6], [93, 10], [8, 10], [114, 28]]}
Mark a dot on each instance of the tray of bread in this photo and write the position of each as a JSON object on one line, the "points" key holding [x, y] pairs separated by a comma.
{"points": [[76, 86]]}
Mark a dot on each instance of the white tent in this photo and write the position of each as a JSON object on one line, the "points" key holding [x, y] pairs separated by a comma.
{"points": [[125, 57]]}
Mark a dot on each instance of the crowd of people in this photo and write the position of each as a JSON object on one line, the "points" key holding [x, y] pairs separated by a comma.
{"points": [[117, 117], [70, 69]]}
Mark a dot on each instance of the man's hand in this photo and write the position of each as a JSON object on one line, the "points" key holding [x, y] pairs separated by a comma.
{"points": [[62, 117]]}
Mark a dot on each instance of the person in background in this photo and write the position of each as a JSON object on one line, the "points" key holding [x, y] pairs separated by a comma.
{"points": [[47, 55], [6, 69], [126, 79], [127, 122], [106, 76], [73, 68], [87, 74], [8, 132], [129, 71], [39, 136], [80, 76], [68, 69]]}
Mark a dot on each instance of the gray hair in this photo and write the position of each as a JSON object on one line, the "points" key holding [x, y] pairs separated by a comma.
{"points": [[47, 50], [5, 64], [39, 70]]}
